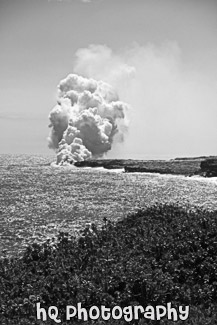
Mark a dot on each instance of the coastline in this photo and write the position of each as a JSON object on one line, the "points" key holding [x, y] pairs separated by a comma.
{"points": [[177, 166]]}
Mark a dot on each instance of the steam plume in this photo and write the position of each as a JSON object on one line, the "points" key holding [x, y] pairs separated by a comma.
{"points": [[87, 119]]}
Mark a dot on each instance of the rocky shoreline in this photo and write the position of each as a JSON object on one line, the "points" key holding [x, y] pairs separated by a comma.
{"points": [[204, 166]]}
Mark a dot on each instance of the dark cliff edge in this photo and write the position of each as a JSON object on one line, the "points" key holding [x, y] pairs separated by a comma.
{"points": [[204, 166], [209, 167]]}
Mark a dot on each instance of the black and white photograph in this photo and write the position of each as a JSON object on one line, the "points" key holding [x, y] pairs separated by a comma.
{"points": [[108, 162]]}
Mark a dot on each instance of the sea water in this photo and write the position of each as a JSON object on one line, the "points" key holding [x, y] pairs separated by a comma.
{"points": [[38, 198]]}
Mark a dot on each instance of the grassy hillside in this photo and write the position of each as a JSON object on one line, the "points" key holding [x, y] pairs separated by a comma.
{"points": [[158, 255]]}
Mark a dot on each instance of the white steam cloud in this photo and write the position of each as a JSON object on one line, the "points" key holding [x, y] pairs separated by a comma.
{"points": [[173, 105], [87, 119]]}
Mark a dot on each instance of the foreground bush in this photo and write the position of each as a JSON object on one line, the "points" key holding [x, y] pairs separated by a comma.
{"points": [[155, 256]]}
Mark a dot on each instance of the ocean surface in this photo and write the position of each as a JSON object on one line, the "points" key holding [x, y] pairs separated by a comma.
{"points": [[38, 198]]}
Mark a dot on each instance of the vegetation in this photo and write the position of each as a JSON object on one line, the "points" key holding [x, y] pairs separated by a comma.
{"points": [[158, 255]]}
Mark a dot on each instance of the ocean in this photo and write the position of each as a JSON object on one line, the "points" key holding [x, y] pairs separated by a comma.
{"points": [[38, 199]]}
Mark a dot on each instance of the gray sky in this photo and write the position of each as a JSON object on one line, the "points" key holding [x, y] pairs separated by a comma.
{"points": [[170, 43]]}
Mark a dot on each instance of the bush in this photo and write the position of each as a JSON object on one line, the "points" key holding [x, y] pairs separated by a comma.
{"points": [[155, 256]]}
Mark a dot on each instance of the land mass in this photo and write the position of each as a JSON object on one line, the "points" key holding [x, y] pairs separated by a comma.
{"points": [[204, 166]]}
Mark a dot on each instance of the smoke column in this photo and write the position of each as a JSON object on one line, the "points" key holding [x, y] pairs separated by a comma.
{"points": [[87, 119]]}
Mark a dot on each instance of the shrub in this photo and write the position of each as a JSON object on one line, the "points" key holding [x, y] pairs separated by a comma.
{"points": [[158, 255]]}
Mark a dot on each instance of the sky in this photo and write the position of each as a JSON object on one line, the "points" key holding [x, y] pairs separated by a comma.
{"points": [[160, 55]]}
